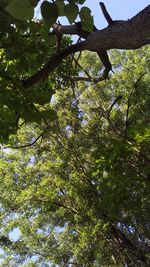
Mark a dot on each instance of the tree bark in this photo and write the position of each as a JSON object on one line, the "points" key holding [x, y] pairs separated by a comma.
{"points": [[130, 34]]}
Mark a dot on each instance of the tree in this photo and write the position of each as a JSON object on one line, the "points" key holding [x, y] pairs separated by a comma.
{"points": [[80, 194], [26, 45], [74, 168]]}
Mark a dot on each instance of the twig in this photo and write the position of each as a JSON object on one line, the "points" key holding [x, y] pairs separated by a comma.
{"points": [[77, 60], [78, 64], [27, 145], [56, 203], [129, 104], [114, 102], [88, 79]]}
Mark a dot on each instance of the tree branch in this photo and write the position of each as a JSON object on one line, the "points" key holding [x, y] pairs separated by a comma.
{"points": [[130, 34], [114, 102], [53, 63], [106, 62], [88, 79], [30, 144], [129, 103], [106, 14]]}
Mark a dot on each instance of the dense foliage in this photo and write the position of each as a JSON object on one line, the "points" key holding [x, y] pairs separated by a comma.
{"points": [[80, 195], [25, 46]]}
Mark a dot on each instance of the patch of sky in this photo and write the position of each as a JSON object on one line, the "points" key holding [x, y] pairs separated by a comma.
{"points": [[128, 228], [1, 252], [5, 149], [31, 161], [14, 234]]}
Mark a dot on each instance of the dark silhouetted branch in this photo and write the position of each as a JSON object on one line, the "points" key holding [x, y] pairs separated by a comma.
{"points": [[129, 102], [106, 14], [53, 63], [88, 79], [28, 145], [115, 101]]}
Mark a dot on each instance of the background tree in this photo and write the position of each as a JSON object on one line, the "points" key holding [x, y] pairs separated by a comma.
{"points": [[79, 195]]}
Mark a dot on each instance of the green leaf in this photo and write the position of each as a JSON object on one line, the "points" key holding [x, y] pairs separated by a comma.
{"points": [[31, 114], [34, 2], [71, 11], [49, 12], [60, 6], [7, 115], [81, 2], [21, 10], [86, 19], [34, 27], [22, 65], [49, 114]]}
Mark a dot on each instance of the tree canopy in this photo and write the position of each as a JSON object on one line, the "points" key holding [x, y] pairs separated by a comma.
{"points": [[74, 164], [80, 194]]}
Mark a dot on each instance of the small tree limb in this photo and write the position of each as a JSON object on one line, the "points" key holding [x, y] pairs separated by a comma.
{"points": [[114, 102], [29, 144], [106, 14], [103, 55], [88, 79]]}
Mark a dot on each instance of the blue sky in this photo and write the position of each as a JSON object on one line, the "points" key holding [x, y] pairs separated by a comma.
{"points": [[118, 9]]}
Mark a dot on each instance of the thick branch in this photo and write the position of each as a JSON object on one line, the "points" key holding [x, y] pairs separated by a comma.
{"points": [[53, 63], [67, 29], [130, 34]]}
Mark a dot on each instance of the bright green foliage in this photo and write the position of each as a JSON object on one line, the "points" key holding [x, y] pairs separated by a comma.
{"points": [[80, 195]]}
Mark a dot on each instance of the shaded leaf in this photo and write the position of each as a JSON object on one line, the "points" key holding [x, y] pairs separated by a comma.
{"points": [[86, 19], [49, 114], [49, 12], [21, 10], [60, 6], [71, 12]]}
